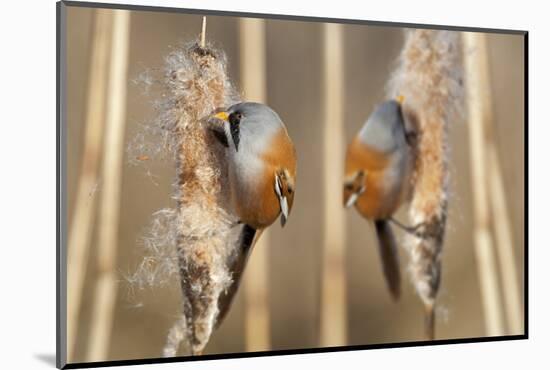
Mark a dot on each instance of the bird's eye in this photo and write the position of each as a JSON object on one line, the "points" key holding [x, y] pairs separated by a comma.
{"points": [[235, 118], [290, 190]]}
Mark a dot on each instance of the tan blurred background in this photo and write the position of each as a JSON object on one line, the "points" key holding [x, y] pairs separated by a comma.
{"points": [[294, 89]]}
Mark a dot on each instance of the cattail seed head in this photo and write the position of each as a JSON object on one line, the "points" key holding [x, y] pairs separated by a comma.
{"points": [[429, 77], [193, 241]]}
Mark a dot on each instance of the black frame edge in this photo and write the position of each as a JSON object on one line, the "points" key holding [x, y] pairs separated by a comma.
{"points": [[292, 352], [526, 185], [61, 194]]}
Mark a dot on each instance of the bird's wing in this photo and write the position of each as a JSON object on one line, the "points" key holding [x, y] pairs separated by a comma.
{"points": [[247, 239], [284, 190], [281, 195], [354, 188]]}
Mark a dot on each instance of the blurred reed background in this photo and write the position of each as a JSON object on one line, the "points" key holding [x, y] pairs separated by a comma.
{"points": [[296, 287]]}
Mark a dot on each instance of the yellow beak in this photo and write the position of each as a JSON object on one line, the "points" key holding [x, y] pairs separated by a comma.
{"points": [[222, 115], [400, 99]]}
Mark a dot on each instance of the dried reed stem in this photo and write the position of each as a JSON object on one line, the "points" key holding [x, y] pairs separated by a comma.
{"points": [[196, 84], [333, 294], [106, 285], [503, 231], [479, 106], [500, 213], [81, 224], [429, 78], [253, 65]]}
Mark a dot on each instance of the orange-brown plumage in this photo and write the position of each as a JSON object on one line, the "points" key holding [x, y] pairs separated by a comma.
{"points": [[262, 171], [377, 179], [375, 202], [279, 159]]}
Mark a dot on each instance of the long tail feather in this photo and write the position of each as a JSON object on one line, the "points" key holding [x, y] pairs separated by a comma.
{"points": [[248, 238], [390, 257]]}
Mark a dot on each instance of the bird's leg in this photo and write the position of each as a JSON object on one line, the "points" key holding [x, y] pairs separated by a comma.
{"points": [[411, 127], [414, 230], [217, 131], [354, 187], [236, 223], [411, 137]]}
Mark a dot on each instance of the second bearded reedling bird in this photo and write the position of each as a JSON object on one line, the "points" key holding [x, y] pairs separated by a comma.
{"points": [[377, 177], [262, 172]]}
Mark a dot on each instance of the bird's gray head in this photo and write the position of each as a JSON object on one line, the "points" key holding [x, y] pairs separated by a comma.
{"points": [[249, 125], [384, 130]]}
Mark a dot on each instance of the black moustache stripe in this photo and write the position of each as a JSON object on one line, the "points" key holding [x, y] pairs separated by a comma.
{"points": [[235, 135]]}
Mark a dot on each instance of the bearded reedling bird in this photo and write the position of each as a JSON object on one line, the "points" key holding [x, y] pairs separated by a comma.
{"points": [[262, 172], [377, 177]]}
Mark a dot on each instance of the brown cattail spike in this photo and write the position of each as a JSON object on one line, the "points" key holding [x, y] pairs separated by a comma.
{"points": [[199, 87], [429, 75], [194, 241]]}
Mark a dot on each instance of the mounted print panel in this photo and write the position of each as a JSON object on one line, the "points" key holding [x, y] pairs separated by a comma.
{"points": [[236, 185]]}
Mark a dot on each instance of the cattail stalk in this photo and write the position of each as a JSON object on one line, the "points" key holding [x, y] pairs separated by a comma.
{"points": [[429, 77], [106, 285], [203, 33], [85, 205], [196, 84], [253, 72], [333, 294], [479, 109]]}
